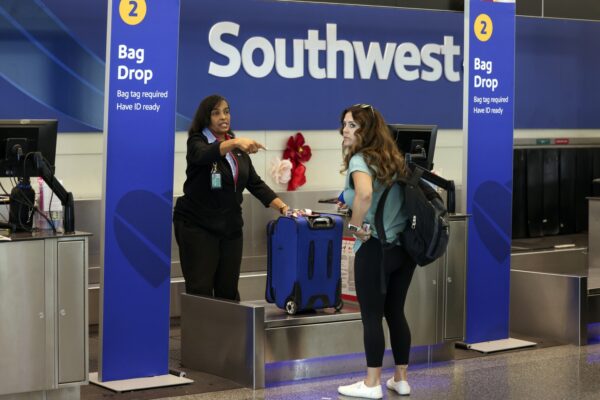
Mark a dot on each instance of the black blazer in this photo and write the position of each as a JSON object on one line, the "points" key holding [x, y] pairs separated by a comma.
{"points": [[218, 211]]}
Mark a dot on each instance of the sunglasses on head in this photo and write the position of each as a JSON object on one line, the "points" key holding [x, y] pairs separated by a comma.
{"points": [[365, 106]]}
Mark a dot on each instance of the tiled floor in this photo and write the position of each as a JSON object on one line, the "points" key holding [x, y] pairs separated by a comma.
{"points": [[556, 372], [560, 372]]}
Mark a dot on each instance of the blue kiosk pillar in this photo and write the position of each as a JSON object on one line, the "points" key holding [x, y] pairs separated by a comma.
{"points": [[139, 134], [488, 114]]}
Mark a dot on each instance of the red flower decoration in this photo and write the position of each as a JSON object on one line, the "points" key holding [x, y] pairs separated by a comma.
{"points": [[298, 177], [297, 151]]}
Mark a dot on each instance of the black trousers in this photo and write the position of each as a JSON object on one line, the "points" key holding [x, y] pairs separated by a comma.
{"points": [[374, 304], [210, 264]]}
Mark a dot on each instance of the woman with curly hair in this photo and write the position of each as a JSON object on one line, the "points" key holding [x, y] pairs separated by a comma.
{"points": [[372, 162]]}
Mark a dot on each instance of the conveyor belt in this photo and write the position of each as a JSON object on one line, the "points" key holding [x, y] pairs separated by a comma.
{"points": [[276, 317], [558, 242]]}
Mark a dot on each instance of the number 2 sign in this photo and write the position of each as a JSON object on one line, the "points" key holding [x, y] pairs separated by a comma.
{"points": [[132, 11]]}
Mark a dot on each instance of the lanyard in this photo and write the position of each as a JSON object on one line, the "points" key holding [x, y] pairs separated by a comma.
{"points": [[237, 167]]}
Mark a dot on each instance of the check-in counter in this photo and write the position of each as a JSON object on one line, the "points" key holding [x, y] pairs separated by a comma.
{"points": [[435, 309], [593, 298], [255, 343], [43, 314], [254, 257], [555, 284], [555, 254]]}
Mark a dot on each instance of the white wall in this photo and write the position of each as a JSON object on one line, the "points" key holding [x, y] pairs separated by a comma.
{"points": [[79, 158], [322, 171]]}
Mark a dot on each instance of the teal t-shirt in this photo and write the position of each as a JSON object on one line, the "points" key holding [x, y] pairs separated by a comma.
{"points": [[394, 218]]}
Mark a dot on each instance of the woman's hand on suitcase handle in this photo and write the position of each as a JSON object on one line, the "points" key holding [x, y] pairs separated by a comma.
{"points": [[280, 206]]}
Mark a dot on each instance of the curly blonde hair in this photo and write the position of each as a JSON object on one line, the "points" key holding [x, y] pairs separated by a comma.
{"points": [[374, 141]]}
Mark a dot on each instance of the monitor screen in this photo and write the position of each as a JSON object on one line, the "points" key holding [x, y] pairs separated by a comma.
{"points": [[416, 142], [20, 138]]}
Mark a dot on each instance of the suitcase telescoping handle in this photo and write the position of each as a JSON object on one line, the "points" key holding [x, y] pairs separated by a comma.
{"points": [[320, 222]]}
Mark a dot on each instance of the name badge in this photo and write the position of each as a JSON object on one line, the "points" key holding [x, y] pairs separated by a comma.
{"points": [[215, 178]]}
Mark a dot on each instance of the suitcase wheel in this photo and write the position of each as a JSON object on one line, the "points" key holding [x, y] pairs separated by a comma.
{"points": [[339, 305], [290, 307]]}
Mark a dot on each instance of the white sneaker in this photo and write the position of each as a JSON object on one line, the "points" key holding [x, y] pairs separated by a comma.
{"points": [[359, 389], [400, 387]]}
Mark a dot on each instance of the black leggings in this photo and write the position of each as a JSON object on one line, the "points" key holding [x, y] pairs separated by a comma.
{"points": [[374, 305], [210, 264]]}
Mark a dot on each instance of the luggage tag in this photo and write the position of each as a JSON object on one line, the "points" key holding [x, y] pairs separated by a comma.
{"points": [[215, 178]]}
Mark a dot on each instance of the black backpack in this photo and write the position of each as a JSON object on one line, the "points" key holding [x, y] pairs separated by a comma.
{"points": [[427, 231]]}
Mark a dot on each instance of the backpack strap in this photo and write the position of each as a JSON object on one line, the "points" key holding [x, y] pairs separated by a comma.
{"points": [[381, 233], [379, 214], [382, 237], [413, 181]]}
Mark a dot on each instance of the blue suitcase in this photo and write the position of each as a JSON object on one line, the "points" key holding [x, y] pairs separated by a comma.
{"points": [[303, 268]]}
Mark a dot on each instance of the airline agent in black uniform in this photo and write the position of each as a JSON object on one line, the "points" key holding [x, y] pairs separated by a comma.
{"points": [[208, 217]]}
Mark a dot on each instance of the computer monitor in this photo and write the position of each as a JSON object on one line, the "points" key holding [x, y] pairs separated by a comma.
{"points": [[21, 137], [416, 142]]}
